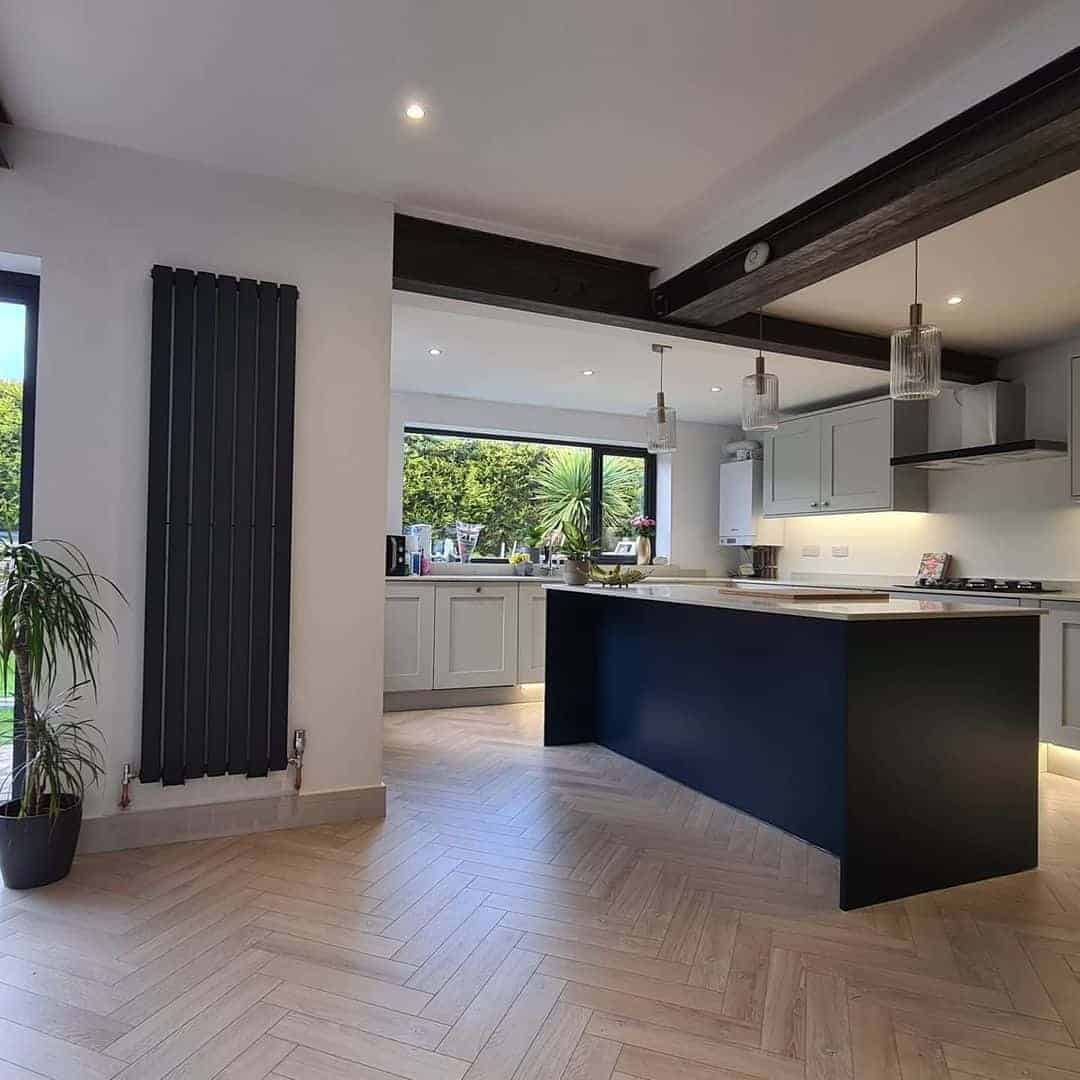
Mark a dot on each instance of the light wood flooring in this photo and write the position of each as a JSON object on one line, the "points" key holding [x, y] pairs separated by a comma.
{"points": [[532, 914]]}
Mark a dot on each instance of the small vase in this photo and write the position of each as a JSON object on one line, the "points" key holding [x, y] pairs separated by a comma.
{"points": [[644, 551]]}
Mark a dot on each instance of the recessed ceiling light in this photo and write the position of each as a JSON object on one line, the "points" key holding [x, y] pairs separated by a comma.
{"points": [[415, 111], [716, 389], [434, 351], [954, 300], [588, 371]]}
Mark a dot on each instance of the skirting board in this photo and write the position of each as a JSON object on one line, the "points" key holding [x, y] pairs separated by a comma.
{"points": [[463, 698], [134, 828]]}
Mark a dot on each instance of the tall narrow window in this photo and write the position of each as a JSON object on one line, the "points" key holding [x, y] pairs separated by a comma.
{"points": [[18, 356]]}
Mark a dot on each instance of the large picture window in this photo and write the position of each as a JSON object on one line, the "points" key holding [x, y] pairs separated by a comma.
{"points": [[519, 489]]}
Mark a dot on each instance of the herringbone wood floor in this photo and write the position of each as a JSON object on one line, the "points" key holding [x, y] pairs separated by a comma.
{"points": [[532, 914]]}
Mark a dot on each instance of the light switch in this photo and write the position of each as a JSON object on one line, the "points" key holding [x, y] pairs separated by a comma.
{"points": [[840, 551], [811, 551]]}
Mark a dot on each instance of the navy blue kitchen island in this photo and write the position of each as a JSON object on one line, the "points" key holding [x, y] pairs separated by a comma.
{"points": [[901, 736]]}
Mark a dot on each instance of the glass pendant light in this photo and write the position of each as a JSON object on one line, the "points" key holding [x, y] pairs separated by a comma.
{"points": [[662, 436], [760, 393], [915, 354]]}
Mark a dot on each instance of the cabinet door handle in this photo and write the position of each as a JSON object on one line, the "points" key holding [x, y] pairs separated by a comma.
{"points": [[825, 503], [813, 504], [479, 588]]}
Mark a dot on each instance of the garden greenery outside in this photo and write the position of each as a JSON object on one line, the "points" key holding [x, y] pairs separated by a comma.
{"points": [[10, 465], [514, 488]]}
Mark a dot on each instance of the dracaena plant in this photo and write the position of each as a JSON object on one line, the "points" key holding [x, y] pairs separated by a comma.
{"points": [[575, 545], [51, 613]]}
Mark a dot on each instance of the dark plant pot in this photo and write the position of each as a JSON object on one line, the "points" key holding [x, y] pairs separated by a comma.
{"points": [[37, 850]]}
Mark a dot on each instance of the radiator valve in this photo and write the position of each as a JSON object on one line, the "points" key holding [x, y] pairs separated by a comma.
{"points": [[125, 786], [296, 760]]}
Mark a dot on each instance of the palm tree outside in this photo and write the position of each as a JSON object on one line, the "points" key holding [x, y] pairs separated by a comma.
{"points": [[563, 489]]}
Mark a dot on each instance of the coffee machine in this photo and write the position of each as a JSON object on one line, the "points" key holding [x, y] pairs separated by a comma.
{"points": [[397, 565]]}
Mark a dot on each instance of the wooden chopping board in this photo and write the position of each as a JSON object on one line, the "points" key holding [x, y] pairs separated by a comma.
{"points": [[798, 592]]}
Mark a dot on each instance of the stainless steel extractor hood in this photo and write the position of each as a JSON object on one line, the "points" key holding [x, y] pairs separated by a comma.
{"points": [[991, 431]]}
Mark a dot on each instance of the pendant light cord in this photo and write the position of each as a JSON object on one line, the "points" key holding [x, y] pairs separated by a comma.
{"points": [[916, 271]]}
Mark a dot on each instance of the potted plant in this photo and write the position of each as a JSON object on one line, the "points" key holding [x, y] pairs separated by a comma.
{"points": [[579, 551], [644, 529], [51, 612]]}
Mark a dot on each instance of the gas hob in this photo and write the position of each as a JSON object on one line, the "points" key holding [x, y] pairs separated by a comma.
{"points": [[983, 585]]}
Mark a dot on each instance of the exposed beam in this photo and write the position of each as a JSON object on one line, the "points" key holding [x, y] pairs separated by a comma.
{"points": [[466, 264], [843, 346], [482, 266], [1014, 141]]}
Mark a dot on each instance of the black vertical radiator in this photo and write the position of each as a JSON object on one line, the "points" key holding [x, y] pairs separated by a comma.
{"points": [[219, 524]]}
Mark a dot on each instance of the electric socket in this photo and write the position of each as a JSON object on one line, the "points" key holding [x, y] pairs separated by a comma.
{"points": [[811, 551], [840, 551]]}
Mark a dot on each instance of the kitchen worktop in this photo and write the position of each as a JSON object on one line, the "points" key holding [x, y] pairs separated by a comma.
{"points": [[530, 579], [459, 579], [701, 595], [1070, 590]]}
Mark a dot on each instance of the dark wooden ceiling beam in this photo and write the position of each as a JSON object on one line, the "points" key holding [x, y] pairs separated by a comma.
{"points": [[430, 256], [843, 346], [484, 268], [1014, 141]]}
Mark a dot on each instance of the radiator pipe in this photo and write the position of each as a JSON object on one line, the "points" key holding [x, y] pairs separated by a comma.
{"points": [[125, 786], [299, 742]]}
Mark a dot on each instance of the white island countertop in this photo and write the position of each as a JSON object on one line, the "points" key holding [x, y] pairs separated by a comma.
{"points": [[845, 610]]}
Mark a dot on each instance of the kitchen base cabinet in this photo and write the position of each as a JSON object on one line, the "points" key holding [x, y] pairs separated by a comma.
{"points": [[476, 635], [532, 626], [1059, 705], [409, 649]]}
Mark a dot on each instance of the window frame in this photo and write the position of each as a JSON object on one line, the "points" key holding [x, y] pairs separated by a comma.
{"points": [[25, 289], [598, 452]]}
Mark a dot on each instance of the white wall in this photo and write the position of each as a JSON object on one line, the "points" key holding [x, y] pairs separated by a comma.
{"points": [[687, 491], [99, 218], [1013, 520]]}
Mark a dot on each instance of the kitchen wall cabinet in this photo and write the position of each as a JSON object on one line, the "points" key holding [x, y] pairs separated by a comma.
{"points": [[409, 650], [532, 626], [793, 468], [476, 635], [838, 460], [1059, 688], [855, 474]]}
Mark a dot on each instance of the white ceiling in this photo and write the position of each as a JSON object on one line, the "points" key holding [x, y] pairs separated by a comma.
{"points": [[1017, 266], [495, 354], [597, 123]]}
